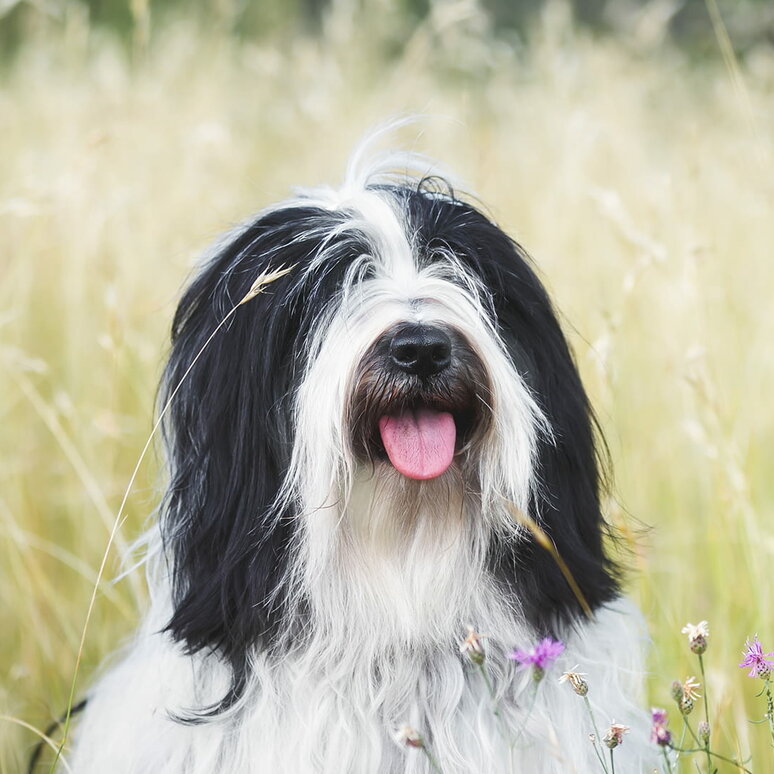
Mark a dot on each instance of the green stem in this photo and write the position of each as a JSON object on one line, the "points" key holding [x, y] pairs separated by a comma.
{"points": [[489, 688], [682, 742], [706, 712], [612, 762], [523, 724], [666, 760], [597, 737], [770, 710], [713, 754], [706, 692], [433, 762], [693, 734], [495, 708]]}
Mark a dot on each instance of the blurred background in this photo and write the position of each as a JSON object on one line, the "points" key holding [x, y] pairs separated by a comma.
{"points": [[628, 145]]}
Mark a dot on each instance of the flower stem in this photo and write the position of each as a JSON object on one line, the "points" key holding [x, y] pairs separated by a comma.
{"points": [[677, 748], [666, 760], [706, 692], [706, 712], [523, 723], [433, 762], [612, 763], [503, 728], [770, 709], [489, 688], [597, 737], [713, 754], [693, 734]]}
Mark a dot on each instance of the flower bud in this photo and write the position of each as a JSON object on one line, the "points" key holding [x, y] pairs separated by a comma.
{"points": [[677, 691], [610, 740], [698, 635], [580, 686], [576, 681], [704, 732], [614, 735], [409, 736], [698, 645], [473, 646]]}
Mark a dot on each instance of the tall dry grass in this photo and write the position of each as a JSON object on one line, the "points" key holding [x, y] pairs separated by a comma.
{"points": [[642, 184]]}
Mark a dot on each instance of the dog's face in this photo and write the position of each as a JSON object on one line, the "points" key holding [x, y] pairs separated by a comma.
{"points": [[408, 351]]}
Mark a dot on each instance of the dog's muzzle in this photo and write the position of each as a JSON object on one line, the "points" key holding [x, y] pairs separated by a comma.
{"points": [[421, 398]]}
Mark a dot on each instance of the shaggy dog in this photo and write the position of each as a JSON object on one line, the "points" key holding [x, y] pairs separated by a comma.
{"points": [[376, 438]]}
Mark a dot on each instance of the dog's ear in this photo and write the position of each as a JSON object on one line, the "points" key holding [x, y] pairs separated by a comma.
{"points": [[229, 429], [570, 463], [567, 499], [228, 439]]}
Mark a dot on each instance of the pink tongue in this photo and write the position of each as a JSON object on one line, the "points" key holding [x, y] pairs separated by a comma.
{"points": [[420, 444]]}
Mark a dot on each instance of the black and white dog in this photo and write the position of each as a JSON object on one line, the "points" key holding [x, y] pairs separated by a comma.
{"points": [[365, 385]]}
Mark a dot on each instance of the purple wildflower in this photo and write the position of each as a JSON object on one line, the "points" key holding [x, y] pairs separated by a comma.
{"points": [[659, 716], [660, 734], [755, 657], [540, 657]]}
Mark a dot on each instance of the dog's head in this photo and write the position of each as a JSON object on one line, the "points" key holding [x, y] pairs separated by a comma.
{"points": [[408, 351]]}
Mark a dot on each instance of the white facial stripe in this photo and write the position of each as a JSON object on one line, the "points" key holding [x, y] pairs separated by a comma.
{"points": [[443, 293], [384, 229]]}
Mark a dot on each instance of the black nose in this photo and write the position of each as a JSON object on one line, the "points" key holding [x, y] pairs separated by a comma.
{"points": [[423, 350]]}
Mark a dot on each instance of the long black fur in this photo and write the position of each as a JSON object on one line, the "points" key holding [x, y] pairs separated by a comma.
{"points": [[568, 464]]}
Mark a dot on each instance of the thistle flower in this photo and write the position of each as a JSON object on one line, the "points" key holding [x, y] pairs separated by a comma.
{"points": [[409, 736], [689, 688], [473, 647], [659, 733], [658, 715], [576, 681], [540, 657], [690, 694], [755, 658], [697, 636], [614, 735]]}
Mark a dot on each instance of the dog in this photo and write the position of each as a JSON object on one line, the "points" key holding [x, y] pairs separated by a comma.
{"points": [[376, 438]]}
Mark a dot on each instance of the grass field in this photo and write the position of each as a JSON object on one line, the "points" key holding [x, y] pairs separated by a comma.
{"points": [[642, 183]]}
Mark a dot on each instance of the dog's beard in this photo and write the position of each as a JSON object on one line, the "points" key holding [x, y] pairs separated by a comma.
{"points": [[391, 553], [402, 562], [375, 550]]}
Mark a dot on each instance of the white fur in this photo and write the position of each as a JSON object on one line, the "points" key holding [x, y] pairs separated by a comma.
{"points": [[391, 572], [325, 711]]}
